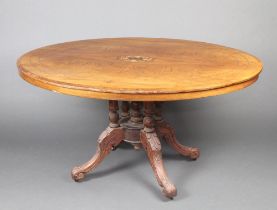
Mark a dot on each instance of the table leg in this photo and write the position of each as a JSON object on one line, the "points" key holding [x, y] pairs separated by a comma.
{"points": [[167, 132], [152, 145], [125, 111], [108, 140]]}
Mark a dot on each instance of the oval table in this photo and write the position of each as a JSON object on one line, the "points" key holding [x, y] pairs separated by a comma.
{"points": [[141, 73]]}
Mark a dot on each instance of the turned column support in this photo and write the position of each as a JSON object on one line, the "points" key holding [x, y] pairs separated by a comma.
{"points": [[113, 114], [133, 124], [148, 120], [136, 116], [125, 110]]}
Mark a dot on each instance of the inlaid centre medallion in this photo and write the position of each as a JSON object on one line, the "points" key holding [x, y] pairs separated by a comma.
{"points": [[136, 58]]}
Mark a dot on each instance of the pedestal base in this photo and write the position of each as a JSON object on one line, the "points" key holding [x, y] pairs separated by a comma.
{"points": [[142, 131]]}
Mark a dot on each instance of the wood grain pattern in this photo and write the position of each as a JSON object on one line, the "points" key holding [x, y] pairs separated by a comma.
{"points": [[141, 69]]}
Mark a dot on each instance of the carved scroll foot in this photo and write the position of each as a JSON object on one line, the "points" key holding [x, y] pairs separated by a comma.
{"points": [[169, 135], [108, 140], [152, 146]]}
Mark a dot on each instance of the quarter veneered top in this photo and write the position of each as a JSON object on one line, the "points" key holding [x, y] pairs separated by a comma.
{"points": [[139, 68]]}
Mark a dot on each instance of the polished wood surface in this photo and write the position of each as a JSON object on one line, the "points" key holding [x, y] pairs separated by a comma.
{"points": [[141, 69]]}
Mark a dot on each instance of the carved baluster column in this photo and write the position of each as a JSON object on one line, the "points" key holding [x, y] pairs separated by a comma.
{"points": [[113, 114], [148, 120], [134, 125], [125, 114], [136, 116]]}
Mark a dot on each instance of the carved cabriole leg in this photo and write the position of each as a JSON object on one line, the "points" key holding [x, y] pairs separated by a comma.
{"points": [[168, 134], [152, 145], [108, 140]]}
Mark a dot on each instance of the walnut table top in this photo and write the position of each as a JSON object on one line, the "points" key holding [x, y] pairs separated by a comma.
{"points": [[139, 69]]}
